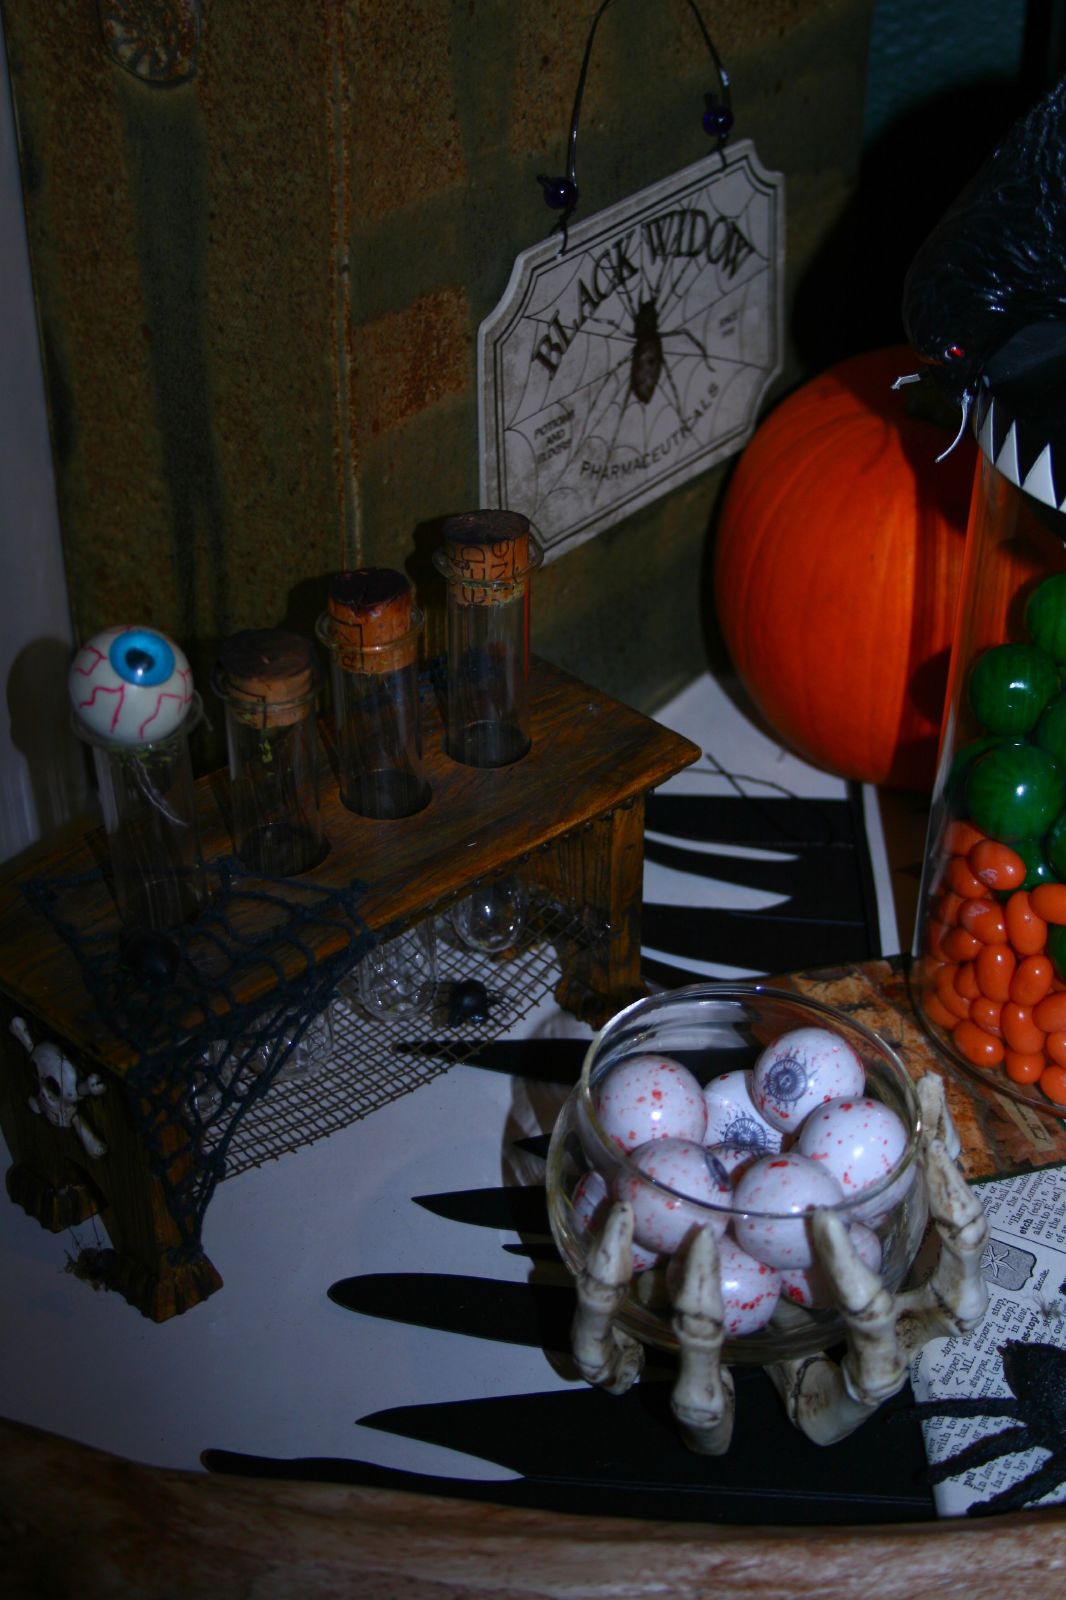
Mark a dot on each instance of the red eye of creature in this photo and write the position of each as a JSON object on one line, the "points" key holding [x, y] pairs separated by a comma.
{"points": [[954, 352]]}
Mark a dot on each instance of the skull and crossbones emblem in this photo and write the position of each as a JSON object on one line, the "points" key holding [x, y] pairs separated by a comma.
{"points": [[60, 1088]]}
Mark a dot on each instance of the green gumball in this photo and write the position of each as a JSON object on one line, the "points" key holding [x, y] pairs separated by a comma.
{"points": [[962, 761], [1056, 949], [1010, 685], [1038, 869], [1015, 792], [1050, 733], [1055, 848], [1045, 616]]}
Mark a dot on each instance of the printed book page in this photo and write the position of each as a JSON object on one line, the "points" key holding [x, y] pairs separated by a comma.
{"points": [[1025, 1269]]}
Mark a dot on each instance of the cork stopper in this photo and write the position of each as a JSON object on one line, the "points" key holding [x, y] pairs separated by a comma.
{"points": [[488, 547], [369, 610], [267, 676]]}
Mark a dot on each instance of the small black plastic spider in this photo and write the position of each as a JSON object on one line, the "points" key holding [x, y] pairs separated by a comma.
{"points": [[468, 1001], [1036, 1374]]}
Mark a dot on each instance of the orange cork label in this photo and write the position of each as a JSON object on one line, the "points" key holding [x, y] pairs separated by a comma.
{"points": [[492, 573], [372, 624]]}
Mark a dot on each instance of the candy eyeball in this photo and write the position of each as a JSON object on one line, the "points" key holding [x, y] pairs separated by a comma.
{"points": [[650, 1097], [590, 1191], [859, 1141], [801, 1070], [788, 1187], [591, 1203], [661, 1218], [735, 1158], [130, 685], [810, 1288], [750, 1288], [734, 1118]]}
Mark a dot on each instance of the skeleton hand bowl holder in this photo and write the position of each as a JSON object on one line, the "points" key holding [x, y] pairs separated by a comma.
{"points": [[627, 1299]]}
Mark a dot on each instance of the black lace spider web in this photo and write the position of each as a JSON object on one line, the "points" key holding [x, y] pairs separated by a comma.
{"points": [[202, 1057]]}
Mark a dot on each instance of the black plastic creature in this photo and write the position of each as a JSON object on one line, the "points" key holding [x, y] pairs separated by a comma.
{"points": [[468, 1001], [1036, 1374], [985, 297]]}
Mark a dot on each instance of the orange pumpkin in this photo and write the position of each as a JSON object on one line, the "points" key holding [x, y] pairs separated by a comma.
{"points": [[837, 572]]}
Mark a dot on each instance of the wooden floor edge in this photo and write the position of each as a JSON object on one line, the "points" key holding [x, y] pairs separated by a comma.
{"points": [[77, 1519]]}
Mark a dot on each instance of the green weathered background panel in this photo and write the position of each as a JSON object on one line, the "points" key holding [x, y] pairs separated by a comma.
{"points": [[259, 291]]}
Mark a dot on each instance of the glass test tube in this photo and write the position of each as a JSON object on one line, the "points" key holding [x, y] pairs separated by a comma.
{"points": [[267, 680], [149, 807], [371, 628], [488, 558]]}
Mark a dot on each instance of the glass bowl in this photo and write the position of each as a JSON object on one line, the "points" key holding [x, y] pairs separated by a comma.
{"points": [[710, 1030]]}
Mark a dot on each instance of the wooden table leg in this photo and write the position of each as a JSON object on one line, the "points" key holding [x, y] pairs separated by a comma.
{"points": [[152, 1260], [599, 867]]}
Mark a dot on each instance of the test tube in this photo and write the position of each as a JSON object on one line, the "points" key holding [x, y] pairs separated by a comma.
{"points": [[371, 628], [133, 702], [267, 681], [488, 558]]}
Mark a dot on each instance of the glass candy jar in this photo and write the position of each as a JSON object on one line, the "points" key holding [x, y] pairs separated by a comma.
{"points": [[989, 969], [673, 1115], [268, 682]]}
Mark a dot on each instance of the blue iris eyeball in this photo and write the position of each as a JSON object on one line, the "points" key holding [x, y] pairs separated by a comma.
{"points": [[130, 686], [142, 657]]}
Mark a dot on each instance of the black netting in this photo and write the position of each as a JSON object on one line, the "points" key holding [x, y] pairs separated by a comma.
{"points": [[201, 1056]]}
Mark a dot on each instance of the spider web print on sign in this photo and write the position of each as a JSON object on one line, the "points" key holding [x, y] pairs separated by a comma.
{"points": [[614, 372]]}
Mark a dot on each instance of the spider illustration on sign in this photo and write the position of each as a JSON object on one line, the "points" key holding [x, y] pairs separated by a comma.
{"points": [[617, 371], [642, 345], [664, 358]]}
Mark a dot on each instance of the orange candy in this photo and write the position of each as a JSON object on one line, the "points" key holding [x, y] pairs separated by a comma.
{"points": [[980, 1049], [997, 991], [1026, 931], [960, 880], [966, 982], [1048, 900], [947, 908], [1021, 1068], [1031, 981], [995, 965], [1053, 1083], [960, 945], [960, 837], [949, 996], [987, 1013], [985, 920], [936, 1012], [1018, 1028], [1050, 1013], [996, 865]]}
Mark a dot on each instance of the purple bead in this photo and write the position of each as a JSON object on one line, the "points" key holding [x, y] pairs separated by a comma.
{"points": [[717, 118], [559, 193]]}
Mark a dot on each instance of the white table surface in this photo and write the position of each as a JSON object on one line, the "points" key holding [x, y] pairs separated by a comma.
{"points": [[269, 1365]]}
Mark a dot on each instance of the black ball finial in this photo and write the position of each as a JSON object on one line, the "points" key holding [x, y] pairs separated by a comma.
{"points": [[559, 193], [717, 118]]}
